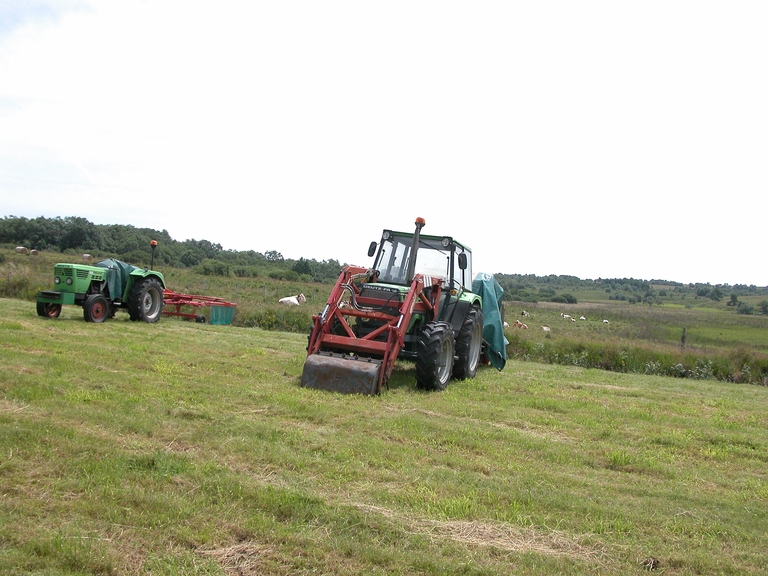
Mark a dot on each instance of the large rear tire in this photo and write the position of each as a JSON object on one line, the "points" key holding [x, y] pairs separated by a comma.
{"points": [[145, 300], [469, 345], [434, 356], [48, 309], [96, 308]]}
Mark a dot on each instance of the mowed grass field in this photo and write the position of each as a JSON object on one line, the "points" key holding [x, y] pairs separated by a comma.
{"points": [[182, 448]]}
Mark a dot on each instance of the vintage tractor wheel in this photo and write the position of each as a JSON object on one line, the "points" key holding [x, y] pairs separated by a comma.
{"points": [[434, 357], [469, 344], [96, 308], [145, 300], [48, 309]]}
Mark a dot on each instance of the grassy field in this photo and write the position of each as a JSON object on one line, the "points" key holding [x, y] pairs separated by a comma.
{"points": [[181, 448]]}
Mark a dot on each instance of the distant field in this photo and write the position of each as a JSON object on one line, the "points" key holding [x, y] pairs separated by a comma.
{"points": [[181, 448], [718, 343], [705, 327]]}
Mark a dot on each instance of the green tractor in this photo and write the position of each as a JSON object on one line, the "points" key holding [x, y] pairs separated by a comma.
{"points": [[103, 288]]}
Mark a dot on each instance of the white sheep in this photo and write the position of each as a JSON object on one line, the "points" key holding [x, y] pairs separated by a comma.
{"points": [[606, 322], [293, 300], [582, 318], [546, 328]]}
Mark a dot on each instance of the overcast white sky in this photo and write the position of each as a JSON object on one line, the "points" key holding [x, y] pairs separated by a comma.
{"points": [[594, 138]]}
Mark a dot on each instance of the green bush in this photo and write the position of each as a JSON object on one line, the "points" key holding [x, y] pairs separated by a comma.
{"points": [[281, 319], [744, 308], [245, 271], [211, 267], [287, 275], [564, 299]]}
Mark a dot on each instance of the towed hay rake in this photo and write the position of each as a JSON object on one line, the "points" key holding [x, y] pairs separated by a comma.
{"points": [[221, 311]]}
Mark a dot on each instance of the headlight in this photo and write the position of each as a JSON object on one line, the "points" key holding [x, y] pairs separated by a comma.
{"points": [[69, 281], [57, 280], [445, 242], [386, 235]]}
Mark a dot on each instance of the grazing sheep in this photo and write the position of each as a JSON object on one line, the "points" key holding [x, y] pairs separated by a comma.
{"points": [[606, 322], [519, 324], [506, 324], [582, 318], [293, 300], [565, 316], [546, 328], [525, 313]]}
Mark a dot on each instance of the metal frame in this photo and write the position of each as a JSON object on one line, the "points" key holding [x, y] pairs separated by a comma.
{"points": [[384, 342]]}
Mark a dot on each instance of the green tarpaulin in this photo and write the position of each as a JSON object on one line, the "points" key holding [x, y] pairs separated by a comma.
{"points": [[117, 279], [486, 286]]}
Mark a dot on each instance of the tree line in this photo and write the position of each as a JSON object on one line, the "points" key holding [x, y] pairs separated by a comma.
{"points": [[131, 244], [554, 288]]}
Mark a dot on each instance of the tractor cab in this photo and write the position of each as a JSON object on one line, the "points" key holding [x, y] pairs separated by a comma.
{"points": [[435, 256]]}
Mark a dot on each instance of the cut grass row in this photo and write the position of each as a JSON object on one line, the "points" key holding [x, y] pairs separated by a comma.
{"points": [[180, 448]]}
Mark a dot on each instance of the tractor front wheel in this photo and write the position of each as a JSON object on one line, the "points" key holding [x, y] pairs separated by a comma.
{"points": [[96, 308], [145, 300], [434, 356], [469, 344], [48, 309]]}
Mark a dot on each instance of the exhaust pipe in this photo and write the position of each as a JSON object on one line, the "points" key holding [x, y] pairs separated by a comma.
{"points": [[414, 248]]}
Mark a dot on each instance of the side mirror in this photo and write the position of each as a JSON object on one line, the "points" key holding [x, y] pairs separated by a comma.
{"points": [[463, 261], [371, 249]]}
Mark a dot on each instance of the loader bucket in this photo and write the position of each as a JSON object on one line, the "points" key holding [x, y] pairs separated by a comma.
{"points": [[341, 373]]}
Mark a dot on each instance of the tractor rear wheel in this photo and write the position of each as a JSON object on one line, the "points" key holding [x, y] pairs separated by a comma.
{"points": [[96, 308], [469, 345], [48, 309], [145, 300], [434, 356]]}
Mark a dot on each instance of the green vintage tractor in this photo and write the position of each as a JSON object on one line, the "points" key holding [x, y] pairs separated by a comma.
{"points": [[102, 289]]}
